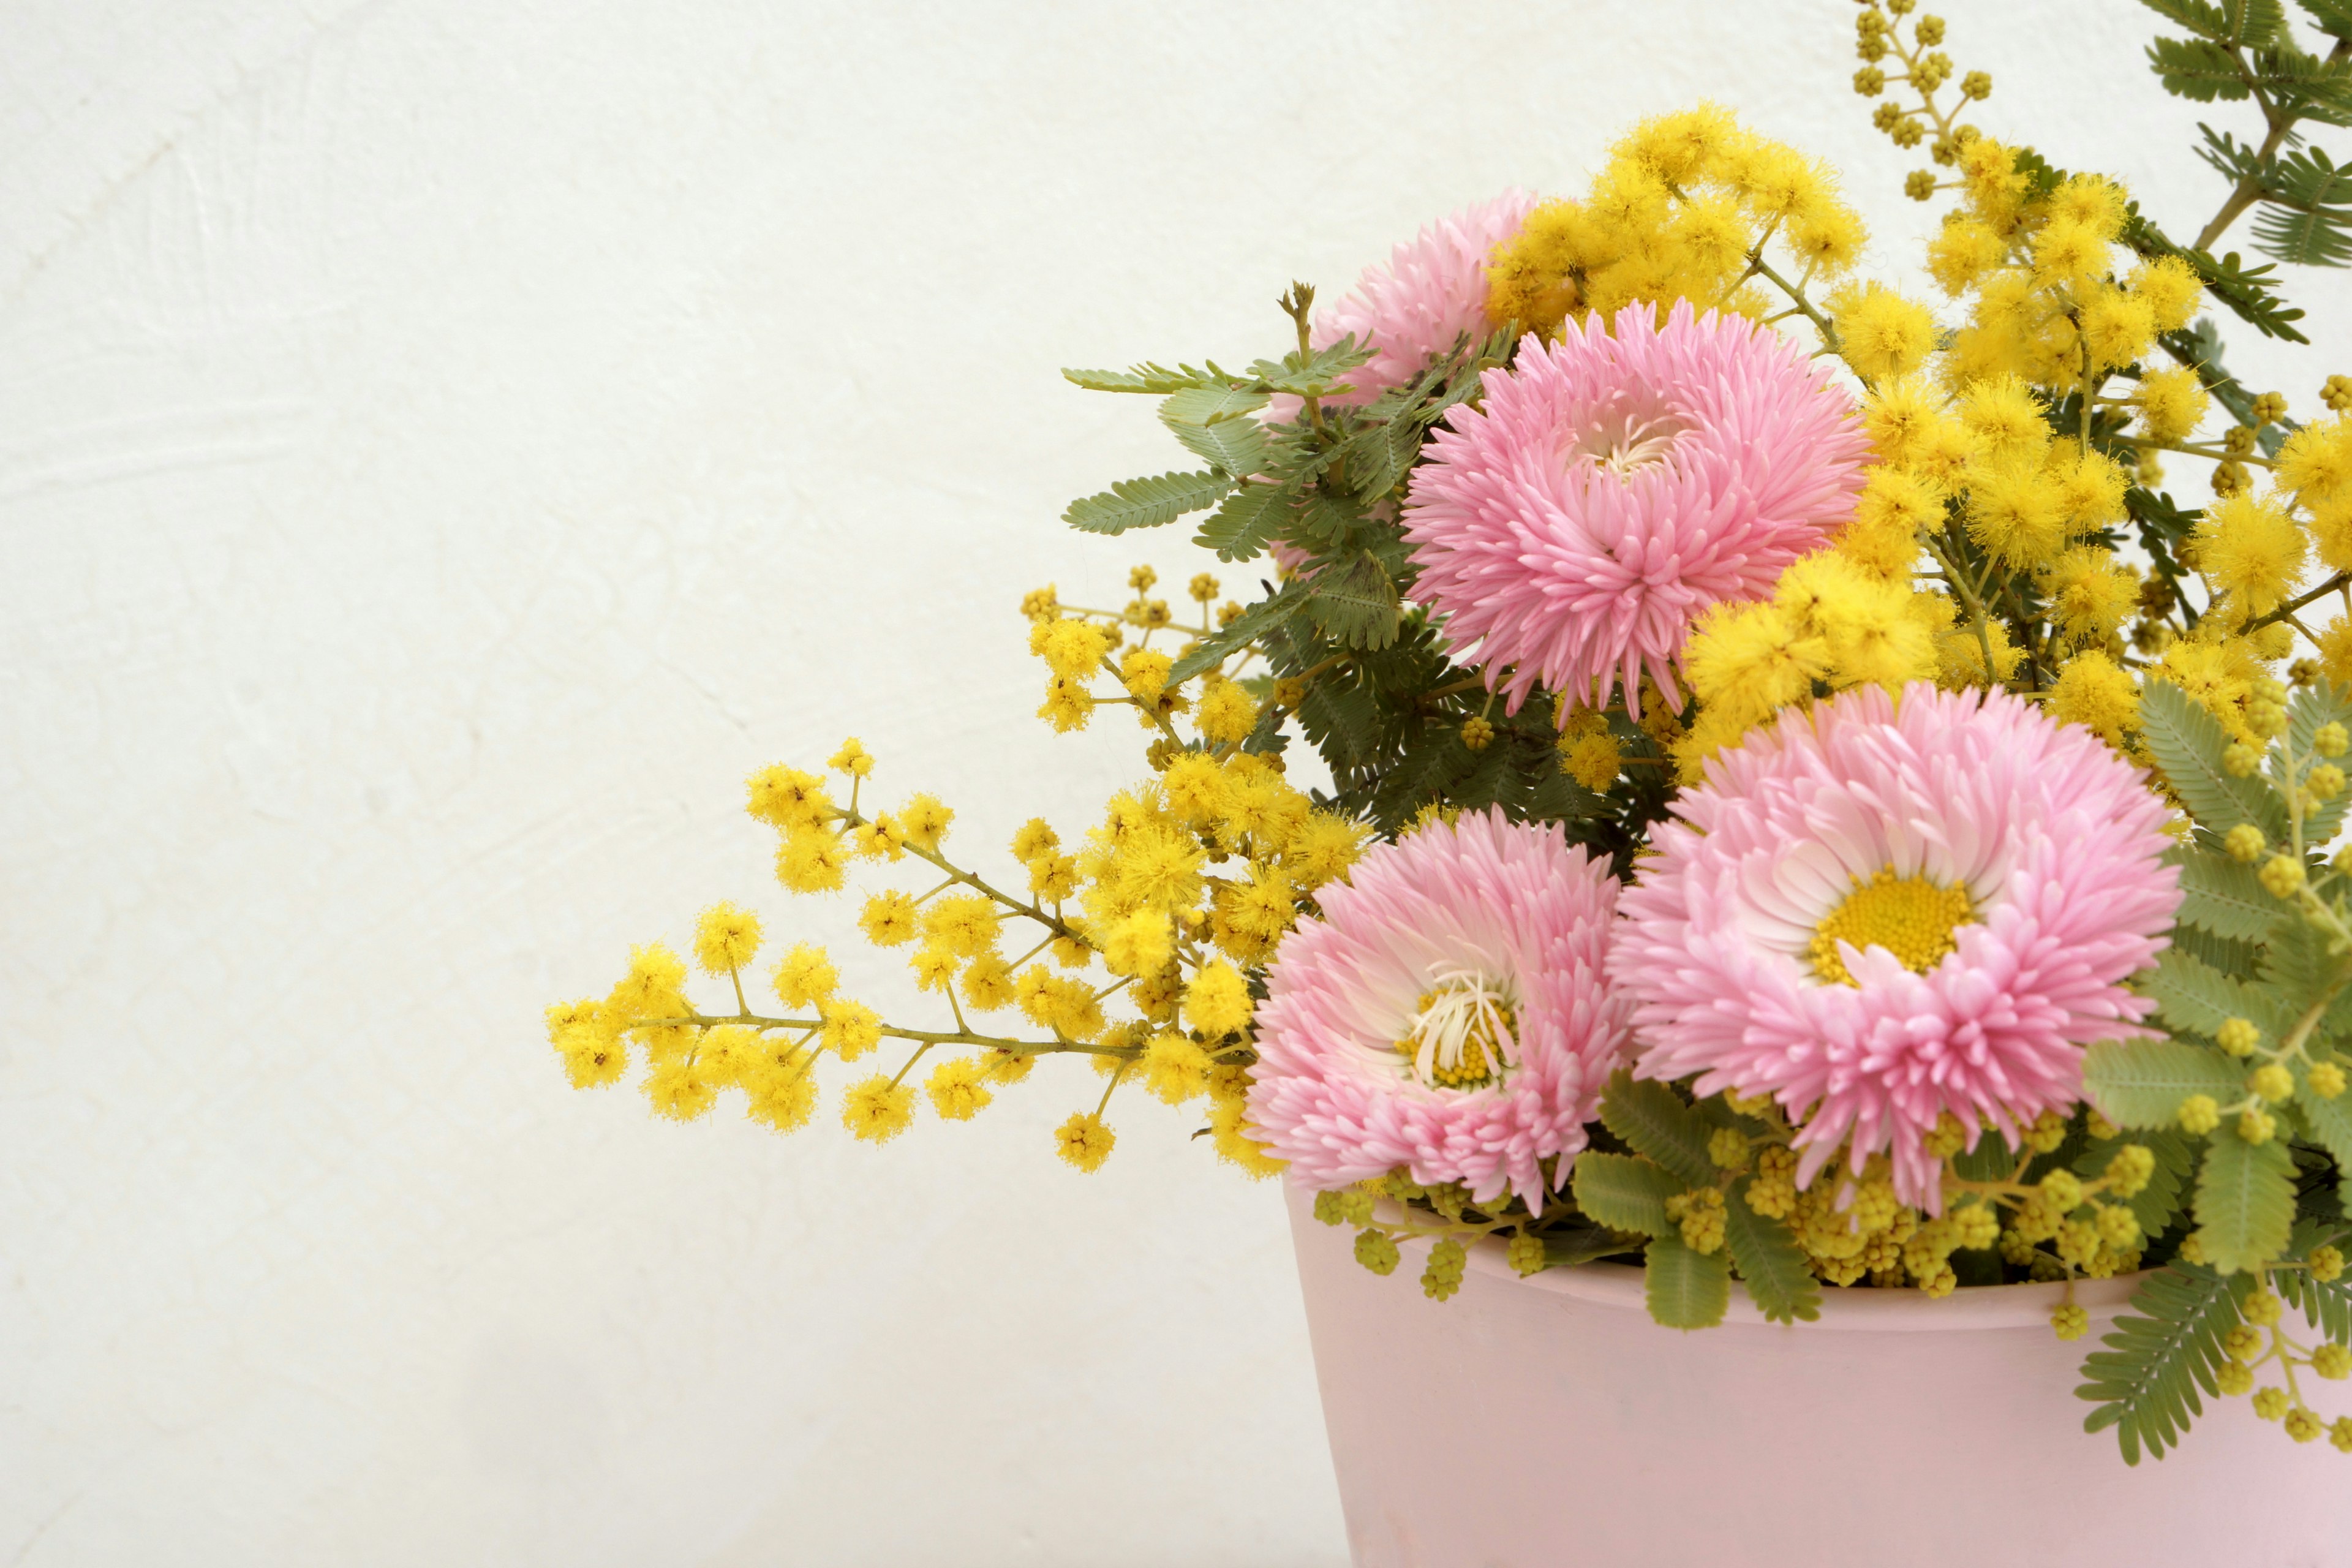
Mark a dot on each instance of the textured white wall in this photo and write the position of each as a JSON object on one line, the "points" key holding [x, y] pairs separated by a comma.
{"points": [[442, 448]]}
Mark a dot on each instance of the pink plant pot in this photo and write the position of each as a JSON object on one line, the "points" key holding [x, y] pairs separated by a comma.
{"points": [[1533, 1423]]}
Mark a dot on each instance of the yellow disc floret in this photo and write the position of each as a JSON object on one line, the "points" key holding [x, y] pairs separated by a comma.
{"points": [[1911, 917]]}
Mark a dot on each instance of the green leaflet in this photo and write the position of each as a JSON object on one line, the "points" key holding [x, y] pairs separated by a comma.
{"points": [[2333, 17], [2305, 219], [1245, 522], [1146, 504], [2327, 1307], [2330, 1120], [2156, 1205], [2144, 1383], [2193, 995], [1234, 446], [2196, 68], [1585, 1244], [2299, 973], [1148, 377], [2141, 1083], [2245, 1201], [2224, 897], [1653, 1118], [2188, 744], [1686, 1289], [1623, 1193], [1771, 1265], [1312, 375], [1211, 405], [1247, 627], [2315, 705], [1358, 607]]}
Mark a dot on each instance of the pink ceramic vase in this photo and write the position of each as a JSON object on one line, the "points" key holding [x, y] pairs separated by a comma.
{"points": [[1548, 1422]]}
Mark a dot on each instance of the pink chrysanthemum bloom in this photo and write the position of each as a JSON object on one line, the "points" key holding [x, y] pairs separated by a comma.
{"points": [[1880, 912], [1429, 295], [1613, 487], [1447, 1013]]}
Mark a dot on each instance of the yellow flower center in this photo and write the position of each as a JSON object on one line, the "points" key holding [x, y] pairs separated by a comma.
{"points": [[1463, 1034], [1910, 917]]}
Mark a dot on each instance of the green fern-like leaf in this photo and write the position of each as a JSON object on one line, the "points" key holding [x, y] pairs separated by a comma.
{"points": [[2225, 897], [2141, 1083], [2160, 1354], [2307, 217], [1245, 522], [2204, 20], [1359, 606], [1686, 1289], [2330, 1120], [2197, 68], [1237, 448], [1653, 1118], [1625, 1193], [2245, 1201], [2156, 1205], [1771, 1265], [1146, 504], [2187, 743], [1148, 377], [2191, 995], [2314, 707], [1211, 405], [1585, 1244], [1254, 623], [2333, 17], [2324, 1305]]}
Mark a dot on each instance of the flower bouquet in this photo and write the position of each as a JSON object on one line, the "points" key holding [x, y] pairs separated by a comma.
{"points": [[1728, 768]]}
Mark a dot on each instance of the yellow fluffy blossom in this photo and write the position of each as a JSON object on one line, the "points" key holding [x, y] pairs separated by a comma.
{"points": [[811, 861], [2251, 551], [1083, 1140], [1885, 336], [788, 799], [926, 821], [1218, 1002], [878, 1110], [957, 1089], [2172, 402], [850, 1028], [1175, 1069], [2095, 693], [725, 939], [804, 976]]}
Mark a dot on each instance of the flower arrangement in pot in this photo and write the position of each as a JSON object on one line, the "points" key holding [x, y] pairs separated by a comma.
{"points": [[1800, 809]]}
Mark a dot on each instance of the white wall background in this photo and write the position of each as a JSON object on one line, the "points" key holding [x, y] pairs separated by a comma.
{"points": [[442, 448]]}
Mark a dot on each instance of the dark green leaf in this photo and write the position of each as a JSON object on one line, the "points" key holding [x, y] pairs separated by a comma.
{"points": [[2187, 743], [2306, 213], [2192, 997], [2333, 17], [2224, 896], [2245, 1201], [2144, 1383], [2156, 1205], [1585, 1244], [1652, 1118], [1211, 405], [1771, 1265], [1358, 607], [1245, 522], [1623, 1193], [1686, 1289], [2141, 1083], [2197, 68], [1247, 627], [1148, 378], [1146, 504], [2204, 20]]}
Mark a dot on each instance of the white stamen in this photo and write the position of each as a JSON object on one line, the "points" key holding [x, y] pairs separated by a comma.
{"points": [[1464, 1000], [1624, 443]]}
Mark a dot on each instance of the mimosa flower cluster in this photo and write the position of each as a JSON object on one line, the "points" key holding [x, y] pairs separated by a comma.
{"points": [[1732, 764]]}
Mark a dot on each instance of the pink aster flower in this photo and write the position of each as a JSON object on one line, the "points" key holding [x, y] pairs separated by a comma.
{"points": [[1431, 293], [1614, 486], [1882, 911], [1447, 1013]]}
